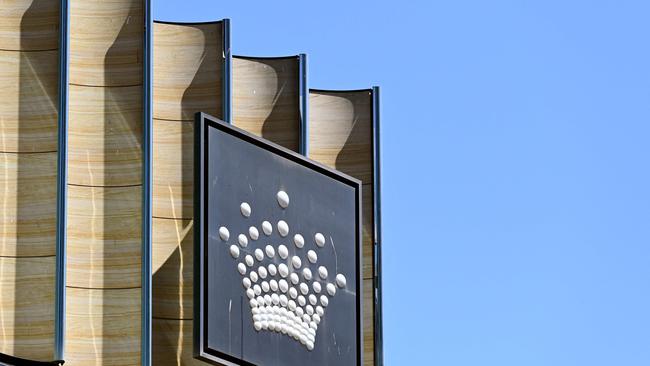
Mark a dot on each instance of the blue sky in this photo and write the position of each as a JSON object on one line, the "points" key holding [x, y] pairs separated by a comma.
{"points": [[515, 166]]}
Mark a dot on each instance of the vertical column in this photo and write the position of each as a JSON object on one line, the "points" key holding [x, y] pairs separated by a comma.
{"points": [[105, 185], [29, 72], [190, 69]]}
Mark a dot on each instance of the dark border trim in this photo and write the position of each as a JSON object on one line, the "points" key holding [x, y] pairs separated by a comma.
{"points": [[227, 73], [203, 121], [376, 144], [313, 90], [303, 90], [186, 23], [62, 182], [17, 361], [261, 58], [147, 157]]}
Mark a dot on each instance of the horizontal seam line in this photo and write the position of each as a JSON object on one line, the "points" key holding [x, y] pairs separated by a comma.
{"points": [[45, 50], [106, 86], [172, 218], [28, 152], [166, 318], [118, 186], [28, 256], [173, 120], [102, 288]]}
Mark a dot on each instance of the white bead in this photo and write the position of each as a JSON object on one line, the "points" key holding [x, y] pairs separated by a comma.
{"points": [[253, 303], [257, 289], [306, 273], [292, 305], [245, 209], [267, 228], [241, 267], [312, 256], [224, 234], [304, 289], [234, 251], [283, 252], [259, 254], [253, 276], [250, 293], [316, 287], [275, 298], [302, 301], [322, 272], [312, 299], [246, 282], [283, 285], [296, 262], [324, 300], [253, 233], [258, 326], [340, 280], [310, 345], [294, 278], [299, 241], [270, 251], [265, 286], [315, 318], [262, 272], [267, 300], [284, 301], [320, 311], [283, 269], [331, 289], [306, 318], [300, 312], [293, 292], [283, 228], [249, 260], [273, 270], [283, 199], [320, 239], [274, 285], [243, 240]]}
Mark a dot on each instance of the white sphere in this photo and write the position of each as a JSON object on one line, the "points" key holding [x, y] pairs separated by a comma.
{"points": [[293, 277], [243, 240], [293, 292], [316, 319], [265, 286], [284, 301], [224, 234], [296, 262], [302, 301], [262, 271], [322, 272], [340, 280], [253, 276], [304, 289], [267, 228], [316, 287], [299, 312], [283, 228], [312, 256], [253, 233], [250, 293], [273, 270], [258, 326], [257, 289], [299, 241], [320, 311], [275, 298], [274, 285], [245, 209], [283, 285], [320, 239], [259, 254], [310, 345], [241, 267], [283, 269], [254, 304], [270, 251], [283, 199], [312, 299], [249, 260], [306, 274], [246, 282], [234, 251], [292, 305], [331, 289], [324, 300], [283, 252], [267, 300]]}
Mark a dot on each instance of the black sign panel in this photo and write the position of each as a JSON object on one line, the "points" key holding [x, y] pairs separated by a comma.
{"points": [[277, 255]]}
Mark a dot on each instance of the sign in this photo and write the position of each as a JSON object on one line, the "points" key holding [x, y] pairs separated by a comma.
{"points": [[277, 254]]}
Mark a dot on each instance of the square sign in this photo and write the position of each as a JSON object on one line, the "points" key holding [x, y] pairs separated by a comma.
{"points": [[277, 254]]}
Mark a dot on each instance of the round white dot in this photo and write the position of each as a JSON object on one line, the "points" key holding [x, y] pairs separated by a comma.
{"points": [[274, 285], [243, 240], [283, 252], [320, 311], [304, 289], [296, 262], [316, 287], [340, 280], [283, 302], [262, 272], [294, 278], [267, 228], [234, 251], [301, 301], [257, 289], [267, 299], [312, 256], [272, 269], [246, 282], [283, 269], [313, 300], [331, 289], [322, 272], [283, 285], [275, 298], [259, 254], [293, 292], [270, 251], [241, 267], [253, 303], [316, 318], [299, 310], [258, 326], [253, 276], [324, 300], [224, 234], [283, 199], [250, 293], [245, 209], [320, 239], [253, 233], [249, 260], [306, 274], [292, 305], [265, 286], [299, 241], [283, 228]]}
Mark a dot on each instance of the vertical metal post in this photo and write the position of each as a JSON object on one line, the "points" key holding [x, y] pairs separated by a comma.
{"points": [[147, 156], [304, 104], [379, 353], [227, 74], [62, 183]]}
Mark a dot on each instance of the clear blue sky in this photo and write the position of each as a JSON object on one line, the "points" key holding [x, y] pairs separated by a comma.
{"points": [[516, 152]]}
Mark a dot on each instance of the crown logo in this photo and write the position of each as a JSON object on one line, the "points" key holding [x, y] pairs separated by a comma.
{"points": [[285, 295]]}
